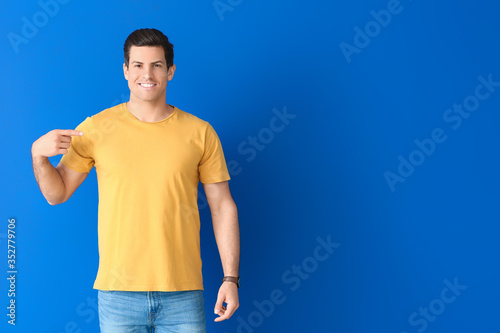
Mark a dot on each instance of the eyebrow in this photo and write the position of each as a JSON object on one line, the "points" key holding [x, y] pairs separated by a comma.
{"points": [[154, 62]]}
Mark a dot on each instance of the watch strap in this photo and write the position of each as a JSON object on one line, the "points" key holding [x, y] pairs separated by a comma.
{"points": [[233, 279]]}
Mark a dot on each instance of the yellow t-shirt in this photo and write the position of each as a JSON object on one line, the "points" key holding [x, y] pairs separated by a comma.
{"points": [[148, 175]]}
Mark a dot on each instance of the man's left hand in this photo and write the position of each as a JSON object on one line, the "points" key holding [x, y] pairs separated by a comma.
{"points": [[228, 293]]}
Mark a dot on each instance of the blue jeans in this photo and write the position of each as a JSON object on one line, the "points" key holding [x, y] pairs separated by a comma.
{"points": [[151, 311]]}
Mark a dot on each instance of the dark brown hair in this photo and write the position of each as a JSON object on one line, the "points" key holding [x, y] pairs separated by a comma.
{"points": [[149, 37]]}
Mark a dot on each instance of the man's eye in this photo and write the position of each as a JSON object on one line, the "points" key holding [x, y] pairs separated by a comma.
{"points": [[157, 65], [137, 66]]}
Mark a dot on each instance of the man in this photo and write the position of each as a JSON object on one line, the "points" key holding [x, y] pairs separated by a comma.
{"points": [[149, 157]]}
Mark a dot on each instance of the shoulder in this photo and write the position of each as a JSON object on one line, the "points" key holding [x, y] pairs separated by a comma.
{"points": [[103, 117], [190, 119], [194, 124], [101, 121], [109, 113], [201, 128]]}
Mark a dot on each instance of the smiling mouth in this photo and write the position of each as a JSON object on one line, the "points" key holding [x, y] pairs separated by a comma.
{"points": [[147, 85]]}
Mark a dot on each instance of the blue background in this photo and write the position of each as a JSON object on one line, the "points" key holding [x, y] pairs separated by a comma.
{"points": [[322, 175]]}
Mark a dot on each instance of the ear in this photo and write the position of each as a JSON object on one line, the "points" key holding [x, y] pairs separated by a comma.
{"points": [[125, 71], [171, 72]]}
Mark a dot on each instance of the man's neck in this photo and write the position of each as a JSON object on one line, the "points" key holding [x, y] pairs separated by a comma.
{"points": [[149, 111]]}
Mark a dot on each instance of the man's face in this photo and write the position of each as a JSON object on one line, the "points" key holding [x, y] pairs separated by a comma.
{"points": [[147, 74]]}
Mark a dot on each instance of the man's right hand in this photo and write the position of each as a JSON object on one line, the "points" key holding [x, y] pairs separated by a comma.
{"points": [[53, 143]]}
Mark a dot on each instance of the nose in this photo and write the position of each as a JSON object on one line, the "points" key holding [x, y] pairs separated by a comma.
{"points": [[147, 72]]}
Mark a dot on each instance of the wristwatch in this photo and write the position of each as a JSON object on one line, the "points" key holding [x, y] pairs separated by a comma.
{"points": [[232, 279]]}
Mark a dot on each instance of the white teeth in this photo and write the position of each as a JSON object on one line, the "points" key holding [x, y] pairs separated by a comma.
{"points": [[147, 85]]}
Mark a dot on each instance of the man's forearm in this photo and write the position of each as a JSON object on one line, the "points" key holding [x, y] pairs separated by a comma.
{"points": [[227, 235], [49, 180]]}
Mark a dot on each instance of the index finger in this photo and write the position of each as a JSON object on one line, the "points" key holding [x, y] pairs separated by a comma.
{"points": [[71, 133]]}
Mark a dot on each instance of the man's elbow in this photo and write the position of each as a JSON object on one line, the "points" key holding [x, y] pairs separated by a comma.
{"points": [[56, 201]]}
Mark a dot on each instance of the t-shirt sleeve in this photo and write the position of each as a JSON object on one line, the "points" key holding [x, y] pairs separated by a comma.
{"points": [[212, 167], [80, 153]]}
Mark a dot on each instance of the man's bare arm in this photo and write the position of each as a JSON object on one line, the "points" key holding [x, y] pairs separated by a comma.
{"points": [[225, 223], [57, 184], [227, 235]]}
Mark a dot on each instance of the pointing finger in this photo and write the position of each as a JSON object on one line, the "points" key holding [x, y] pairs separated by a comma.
{"points": [[71, 133]]}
